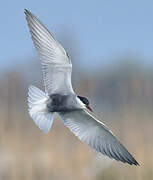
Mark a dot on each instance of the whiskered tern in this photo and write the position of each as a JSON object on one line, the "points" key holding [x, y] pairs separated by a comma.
{"points": [[59, 97]]}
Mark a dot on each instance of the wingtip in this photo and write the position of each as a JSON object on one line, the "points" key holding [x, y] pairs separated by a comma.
{"points": [[26, 11], [131, 163], [137, 164], [134, 162]]}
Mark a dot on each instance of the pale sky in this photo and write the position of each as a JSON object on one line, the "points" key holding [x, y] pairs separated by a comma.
{"points": [[103, 30]]}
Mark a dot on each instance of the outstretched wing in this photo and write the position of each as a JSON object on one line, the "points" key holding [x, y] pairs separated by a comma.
{"points": [[96, 135], [56, 65]]}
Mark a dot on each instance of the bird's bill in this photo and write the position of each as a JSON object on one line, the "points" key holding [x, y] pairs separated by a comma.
{"points": [[90, 109]]}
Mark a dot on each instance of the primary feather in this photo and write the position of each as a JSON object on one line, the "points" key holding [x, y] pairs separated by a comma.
{"points": [[56, 65], [96, 134]]}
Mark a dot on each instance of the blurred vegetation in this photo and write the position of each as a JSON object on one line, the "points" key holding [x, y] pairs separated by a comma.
{"points": [[122, 95]]}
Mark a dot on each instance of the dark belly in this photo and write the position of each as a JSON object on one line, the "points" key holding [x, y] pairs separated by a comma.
{"points": [[59, 103]]}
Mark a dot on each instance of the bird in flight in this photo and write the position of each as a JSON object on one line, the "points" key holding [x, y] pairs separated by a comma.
{"points": [[60, 98]]}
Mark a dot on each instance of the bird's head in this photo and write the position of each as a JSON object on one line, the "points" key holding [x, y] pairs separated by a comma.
{"points": [[86, 102]]}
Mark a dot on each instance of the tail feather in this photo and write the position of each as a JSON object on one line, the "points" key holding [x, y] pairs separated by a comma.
{"points": [[38, 109]]}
